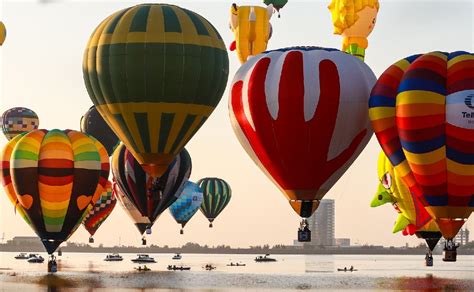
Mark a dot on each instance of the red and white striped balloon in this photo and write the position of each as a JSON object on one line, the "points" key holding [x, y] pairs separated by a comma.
{"points": [[301, 115]]}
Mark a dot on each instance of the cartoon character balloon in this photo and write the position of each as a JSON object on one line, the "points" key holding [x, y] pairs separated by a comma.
{"points": [[100, 211], [412, 216], [421, 113], [155, 72], [252, 30], [187, 204], [217, 194], [3, 33], [354, 20], [93, 124], [18, 120], [144, 197], [56, 175], [301, 115]]}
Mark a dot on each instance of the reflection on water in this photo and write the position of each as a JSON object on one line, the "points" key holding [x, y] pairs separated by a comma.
{"points": [[289, 273]]}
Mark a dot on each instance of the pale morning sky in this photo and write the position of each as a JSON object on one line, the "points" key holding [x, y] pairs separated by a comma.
{"points": [[41, 68]]}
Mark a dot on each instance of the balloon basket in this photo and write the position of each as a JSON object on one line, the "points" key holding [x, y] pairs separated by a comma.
{"points": [[52, 265], [181, 231], [143, 241], [91, 240], [210, 225], [450, 255], [304, 234], [429, 261]]}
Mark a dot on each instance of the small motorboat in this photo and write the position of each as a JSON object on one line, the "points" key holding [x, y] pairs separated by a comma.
{"points": [[22, 256], [176, 268], [115, 257], [177, 256], [265, 258], [36, 258], [143, 258], [351, 269], [236, 265], [142, 269]]}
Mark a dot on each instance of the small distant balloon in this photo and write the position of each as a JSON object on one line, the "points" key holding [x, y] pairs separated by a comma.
{"points": [[18, 120]]}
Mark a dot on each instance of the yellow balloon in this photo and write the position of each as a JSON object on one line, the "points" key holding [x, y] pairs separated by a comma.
{"points": [[3, 33], [252, 29]]}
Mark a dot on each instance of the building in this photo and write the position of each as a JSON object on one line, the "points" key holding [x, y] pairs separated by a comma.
{"points": [[26, 241], [322, 224], [343, 242]]}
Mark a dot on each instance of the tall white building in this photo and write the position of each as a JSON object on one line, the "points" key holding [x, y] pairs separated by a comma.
{"points": [[322, 224]]}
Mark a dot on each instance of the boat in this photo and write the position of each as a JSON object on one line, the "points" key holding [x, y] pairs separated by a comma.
{"points": [[144, 269], [265, 258], [209, 267], [346, 270], [143, 258], [115, 257], [36, 258], [22, 256], [176, 268], [236, 265], [177, 256]]}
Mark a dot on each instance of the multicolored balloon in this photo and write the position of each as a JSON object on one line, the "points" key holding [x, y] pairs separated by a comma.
{"points": [[155, 72], [18, 120], [421, 113], [56, 175], [3, 33], [100, 211], [354, 20], [93, 124], [216, 196], [252, 30], [187, 204], [143, 197], [301, 115], [412, 216]]}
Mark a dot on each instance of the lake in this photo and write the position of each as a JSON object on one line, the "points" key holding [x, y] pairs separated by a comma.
{"points": [[82, 271]]}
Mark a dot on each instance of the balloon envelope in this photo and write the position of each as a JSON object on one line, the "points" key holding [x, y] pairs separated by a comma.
{"points": [[100, 211], [187, 204], [155, 72], [216, 195], [18, 120], [420, 113], [143, 197], [56, 175], [301, 115], [3, 33], [93, 124]]}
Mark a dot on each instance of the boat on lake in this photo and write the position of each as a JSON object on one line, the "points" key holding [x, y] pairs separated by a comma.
{"points": [[115, 257], [143, 258], [265, 258]]}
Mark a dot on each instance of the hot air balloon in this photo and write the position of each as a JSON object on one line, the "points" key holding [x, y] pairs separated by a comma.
{"points": [[354, 20], [216, 196], [412, 216], [155, 72], [187, 204], [277, 4], [143, 197], [301, 115], [56, 175], [420, 110], [93, 124], [100, 211], [18, 120], [3, 33], [252, 30]]}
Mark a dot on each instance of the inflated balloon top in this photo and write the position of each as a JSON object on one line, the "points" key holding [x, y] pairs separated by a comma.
{"points": [[252, 29], [155, 72], [354, 20], [277, 4], [93, 124], [18, 120], [422, 114], [3, 33], [56, 175]]}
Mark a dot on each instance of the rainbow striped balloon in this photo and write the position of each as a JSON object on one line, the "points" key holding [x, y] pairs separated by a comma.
{"points": [[56, 175], [422, 112]]}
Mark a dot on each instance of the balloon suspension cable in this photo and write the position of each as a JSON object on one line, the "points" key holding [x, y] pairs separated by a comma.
{"points": [[303, 224]]}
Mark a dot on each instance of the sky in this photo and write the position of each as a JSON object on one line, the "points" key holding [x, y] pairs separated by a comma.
{"points": [[41, 68]]}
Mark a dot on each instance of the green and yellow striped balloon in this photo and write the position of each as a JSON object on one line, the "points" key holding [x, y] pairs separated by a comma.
{"points": [[56, 175], [155, 73], [217, 194]]}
